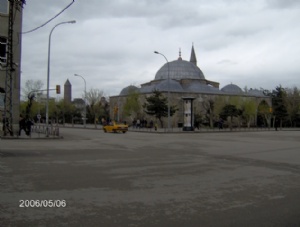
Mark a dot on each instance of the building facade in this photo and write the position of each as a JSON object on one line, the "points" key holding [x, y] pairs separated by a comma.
{"points": [[16, 61], [68, 91], [181, 79]]}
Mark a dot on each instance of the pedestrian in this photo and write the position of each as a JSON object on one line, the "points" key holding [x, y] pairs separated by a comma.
{"points": [[151, 124], [220, 123], [138, 123], [22, 124], [29, 124], [276, 124]]}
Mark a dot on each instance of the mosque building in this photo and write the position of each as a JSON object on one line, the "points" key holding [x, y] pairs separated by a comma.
{"points": [[181, 78]]}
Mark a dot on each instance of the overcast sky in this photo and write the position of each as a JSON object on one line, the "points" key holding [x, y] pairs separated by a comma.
{"points": [[253, 43]]}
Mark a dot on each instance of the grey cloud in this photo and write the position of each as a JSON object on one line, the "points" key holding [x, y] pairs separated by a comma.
{"points": [[113, 41], [283, 4], [226, 62], [244, 31]]}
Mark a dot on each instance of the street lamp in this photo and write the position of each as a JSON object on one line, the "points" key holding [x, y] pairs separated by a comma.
{"points": [[84, 120], [168, 84], [48, 74]]}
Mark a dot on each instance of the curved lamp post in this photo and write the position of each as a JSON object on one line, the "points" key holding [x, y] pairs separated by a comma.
{"points": [[84, 120], [156, 52], [48, 73]]}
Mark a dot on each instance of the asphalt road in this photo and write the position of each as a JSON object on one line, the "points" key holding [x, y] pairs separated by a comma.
{"points": [[151, 179]]}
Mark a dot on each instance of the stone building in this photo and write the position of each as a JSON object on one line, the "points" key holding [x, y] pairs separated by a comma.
{"points": [[183, 79], [12, 110]]}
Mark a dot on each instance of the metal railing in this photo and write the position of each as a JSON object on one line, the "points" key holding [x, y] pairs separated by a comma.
{"points": [[53, 130]]}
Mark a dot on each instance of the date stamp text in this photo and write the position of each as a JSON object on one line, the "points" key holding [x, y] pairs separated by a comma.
{"points": [[42, 203]]}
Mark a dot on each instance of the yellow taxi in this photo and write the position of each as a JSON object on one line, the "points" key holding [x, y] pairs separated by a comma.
{"points": [[115, 127]]}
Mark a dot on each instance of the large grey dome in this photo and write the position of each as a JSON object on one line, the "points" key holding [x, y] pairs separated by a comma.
{"points": [[232, 88], [179, 69]]}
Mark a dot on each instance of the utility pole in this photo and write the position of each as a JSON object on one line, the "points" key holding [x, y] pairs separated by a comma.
{"points": [[14, 5]]}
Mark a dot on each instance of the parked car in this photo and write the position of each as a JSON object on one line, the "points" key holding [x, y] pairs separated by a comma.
{"points": [[115, 127]]}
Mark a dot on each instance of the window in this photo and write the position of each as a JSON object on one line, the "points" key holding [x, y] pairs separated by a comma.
{"points": [[1, 98], [3, 50], [4, 6]]}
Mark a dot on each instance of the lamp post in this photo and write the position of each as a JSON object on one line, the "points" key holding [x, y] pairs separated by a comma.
{"points": [[168, 84], [48, 73], [84, 115]]}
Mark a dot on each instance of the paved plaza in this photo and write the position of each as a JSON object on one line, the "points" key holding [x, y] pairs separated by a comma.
{"points": [[92, 178]]}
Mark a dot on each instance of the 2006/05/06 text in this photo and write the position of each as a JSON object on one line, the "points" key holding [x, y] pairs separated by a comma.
{"points": [[42, 203]]}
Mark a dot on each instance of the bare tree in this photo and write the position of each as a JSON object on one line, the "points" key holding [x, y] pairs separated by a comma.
{"points": [[31, 85], [293, 105], [209, 109], [132, 105], [93, 97], [249, 110]]}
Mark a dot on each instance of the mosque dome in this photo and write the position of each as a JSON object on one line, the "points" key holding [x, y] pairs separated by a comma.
{"points": [[162, 85], [173, 85], [198, 87], [128, 89], [232, 88], [256, 92], [179, 69], [147, 88]]}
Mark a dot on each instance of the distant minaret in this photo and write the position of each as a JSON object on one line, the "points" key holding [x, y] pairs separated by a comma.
{"points": [[193, 56], [68, 91]]}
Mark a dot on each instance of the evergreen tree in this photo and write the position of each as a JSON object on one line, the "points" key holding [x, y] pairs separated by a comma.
{"points": [[156, 105], [279, 103], [230, 111]]}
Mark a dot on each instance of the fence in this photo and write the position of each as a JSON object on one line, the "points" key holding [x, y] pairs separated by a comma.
{"points": [[42, 129]]}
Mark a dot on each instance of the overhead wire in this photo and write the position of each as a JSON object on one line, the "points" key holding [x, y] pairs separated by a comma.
{"points": [[32, 30]]}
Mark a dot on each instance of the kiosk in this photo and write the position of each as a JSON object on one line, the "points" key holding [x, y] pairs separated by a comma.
{"points": [[188, 114]]}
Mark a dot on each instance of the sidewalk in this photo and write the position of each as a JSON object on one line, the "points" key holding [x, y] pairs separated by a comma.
{"points": [[207, 130], [39, 133], [33, 135]]}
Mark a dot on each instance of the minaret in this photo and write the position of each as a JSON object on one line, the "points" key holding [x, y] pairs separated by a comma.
{"points": [[193, 56], [68, 91]]}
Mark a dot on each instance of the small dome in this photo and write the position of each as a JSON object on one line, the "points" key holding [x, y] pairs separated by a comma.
{"points": [[162, 86], [147, 88], [173, 86], [129, 89], [201, 88], [232, 88], [256, 92], [179, 69]]}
